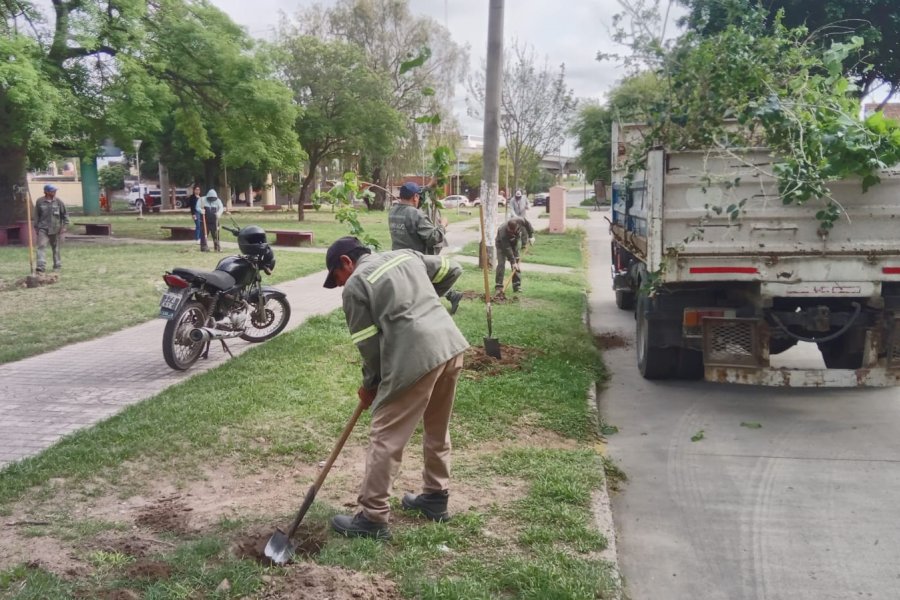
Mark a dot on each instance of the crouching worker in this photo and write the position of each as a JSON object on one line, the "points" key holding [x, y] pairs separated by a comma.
{"points": [[412, 354]]}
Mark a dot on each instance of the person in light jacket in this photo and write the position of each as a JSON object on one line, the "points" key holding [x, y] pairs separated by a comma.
{"points": [[212, 208], [412, 355], [519, 205]]}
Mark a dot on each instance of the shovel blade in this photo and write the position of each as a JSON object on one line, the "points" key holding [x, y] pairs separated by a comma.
{"points": [[279, 548], [492, 347]]}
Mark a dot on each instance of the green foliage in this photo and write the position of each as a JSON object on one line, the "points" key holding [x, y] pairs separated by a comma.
{"points": [[112, 177], [342, 196], [592, 130], [875, 21], [30, 103], [785, 93], [346, 106]]}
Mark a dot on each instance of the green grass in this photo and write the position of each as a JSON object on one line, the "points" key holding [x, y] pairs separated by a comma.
{"points": [[557, 249], [571, 213], [252, 409], [103, 288], [322, 223], [196, 565]]}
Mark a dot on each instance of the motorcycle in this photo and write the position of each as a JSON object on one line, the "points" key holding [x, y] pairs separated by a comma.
{"points": [[228, 302]]}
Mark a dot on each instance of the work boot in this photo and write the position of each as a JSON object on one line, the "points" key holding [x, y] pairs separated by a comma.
{"points": [[454, 298], [432, 505], [360, 526]]}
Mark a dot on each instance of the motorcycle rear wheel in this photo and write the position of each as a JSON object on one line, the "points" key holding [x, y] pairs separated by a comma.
{"points": [[277, 314], [179, 350]]}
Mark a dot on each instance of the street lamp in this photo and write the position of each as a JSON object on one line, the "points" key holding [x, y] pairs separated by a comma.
{"points": [[137, 152]]}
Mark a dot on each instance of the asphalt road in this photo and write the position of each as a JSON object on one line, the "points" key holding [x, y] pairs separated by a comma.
{"points": [[803, 507]]}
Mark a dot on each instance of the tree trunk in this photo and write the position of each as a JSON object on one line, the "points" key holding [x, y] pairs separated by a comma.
{"points": [[211, 169], [305, 192], [380, 200], [13, 185]]}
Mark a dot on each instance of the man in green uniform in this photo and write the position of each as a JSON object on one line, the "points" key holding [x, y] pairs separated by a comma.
{"points": [[514, 231], [412, 229], [50, 220], [412, 355]]}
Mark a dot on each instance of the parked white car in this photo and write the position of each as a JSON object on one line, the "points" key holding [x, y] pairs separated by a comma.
{"points": [[455, 201]]}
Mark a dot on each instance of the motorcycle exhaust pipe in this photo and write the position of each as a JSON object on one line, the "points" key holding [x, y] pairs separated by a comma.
{"points": [[205, 334]]}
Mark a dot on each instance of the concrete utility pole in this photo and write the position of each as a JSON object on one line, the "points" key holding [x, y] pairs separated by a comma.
{"points": [[490, 168]]}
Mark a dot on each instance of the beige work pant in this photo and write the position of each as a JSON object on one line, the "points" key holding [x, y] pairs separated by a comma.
{"points": [[429, 400]]}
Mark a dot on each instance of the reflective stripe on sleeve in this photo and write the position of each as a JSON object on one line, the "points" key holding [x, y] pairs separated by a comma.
{"points": [[442, 272], [377, 273], [364, 334]]}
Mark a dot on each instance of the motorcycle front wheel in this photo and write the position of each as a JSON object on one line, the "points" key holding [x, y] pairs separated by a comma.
{"points": [[277, 313], [179, 350]]}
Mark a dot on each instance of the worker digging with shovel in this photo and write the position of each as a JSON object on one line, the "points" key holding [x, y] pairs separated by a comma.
{"points": [[412, 355], [515, 231]]}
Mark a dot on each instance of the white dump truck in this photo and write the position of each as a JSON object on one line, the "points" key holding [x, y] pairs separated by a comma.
{"points": [[722, 274]]}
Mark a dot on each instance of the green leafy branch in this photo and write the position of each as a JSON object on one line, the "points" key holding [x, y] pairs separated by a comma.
{"points": [[341, 196]]}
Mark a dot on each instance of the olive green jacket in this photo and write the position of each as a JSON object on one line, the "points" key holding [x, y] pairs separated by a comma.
{"points": [[50, 215], [396, 319], [508, 246], [412, 229]]}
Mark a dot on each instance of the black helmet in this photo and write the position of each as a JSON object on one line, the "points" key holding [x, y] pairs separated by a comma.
{"points": [[267, 259], [252, 241]]}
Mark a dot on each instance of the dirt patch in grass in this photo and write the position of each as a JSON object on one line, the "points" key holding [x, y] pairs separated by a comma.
{"points": [[309, 581], [610, 340], [131, 544], [511, 357], [166, 515], [148, 569], [30, 281], [309, 540]]}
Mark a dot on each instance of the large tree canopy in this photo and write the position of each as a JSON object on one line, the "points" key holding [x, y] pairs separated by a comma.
{"points": [[876, 21], [346, 106], [415, 57], [162, 71]]}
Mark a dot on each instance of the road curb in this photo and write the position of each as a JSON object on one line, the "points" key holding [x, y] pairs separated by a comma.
{"points": [[601, 508]]}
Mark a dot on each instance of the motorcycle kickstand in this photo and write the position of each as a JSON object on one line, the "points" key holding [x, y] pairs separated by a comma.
{"points": [[225, 348], [206, 351]]}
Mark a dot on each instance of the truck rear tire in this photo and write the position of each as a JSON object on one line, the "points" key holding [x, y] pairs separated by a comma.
{"points": [[690, 364], [654, 362], [841, 354], [625, 299]]}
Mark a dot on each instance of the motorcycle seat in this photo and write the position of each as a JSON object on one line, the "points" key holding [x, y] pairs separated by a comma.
{"points": [[217, 279]]}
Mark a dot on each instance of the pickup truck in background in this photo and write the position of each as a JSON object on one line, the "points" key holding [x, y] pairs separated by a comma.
{"points": [[150, 199], [722, 274]]}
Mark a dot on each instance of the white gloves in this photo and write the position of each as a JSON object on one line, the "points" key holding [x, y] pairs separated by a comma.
{"points": [[531, 241]]}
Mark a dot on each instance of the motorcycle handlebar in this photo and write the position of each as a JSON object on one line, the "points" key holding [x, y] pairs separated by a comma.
{"points": [[233, 230]]}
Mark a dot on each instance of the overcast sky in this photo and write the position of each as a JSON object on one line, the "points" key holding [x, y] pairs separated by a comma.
{"points": [[570, 32]]}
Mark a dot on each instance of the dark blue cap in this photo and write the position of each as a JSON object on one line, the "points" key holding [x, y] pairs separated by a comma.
{"points": [[409, 189], [50, 188], [341, 247]]}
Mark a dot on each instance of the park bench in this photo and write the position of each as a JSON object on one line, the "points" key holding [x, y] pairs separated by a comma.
{"points": [[96, 228], [179, 232], [292, 238], [11, 234]]}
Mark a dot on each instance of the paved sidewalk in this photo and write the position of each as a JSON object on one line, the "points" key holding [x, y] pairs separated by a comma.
{"points": [[48, 396]]}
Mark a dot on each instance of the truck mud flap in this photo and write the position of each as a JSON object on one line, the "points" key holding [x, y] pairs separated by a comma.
{"points": [[846, 378]]}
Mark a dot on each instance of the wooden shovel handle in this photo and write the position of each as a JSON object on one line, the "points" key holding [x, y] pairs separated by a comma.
{"points": [[314, 488]]}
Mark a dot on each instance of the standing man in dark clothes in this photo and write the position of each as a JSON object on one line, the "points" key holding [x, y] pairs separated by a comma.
{"points": [[412, 354], [412, 229], [50, 220], [514, 231], [194, 205]]}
